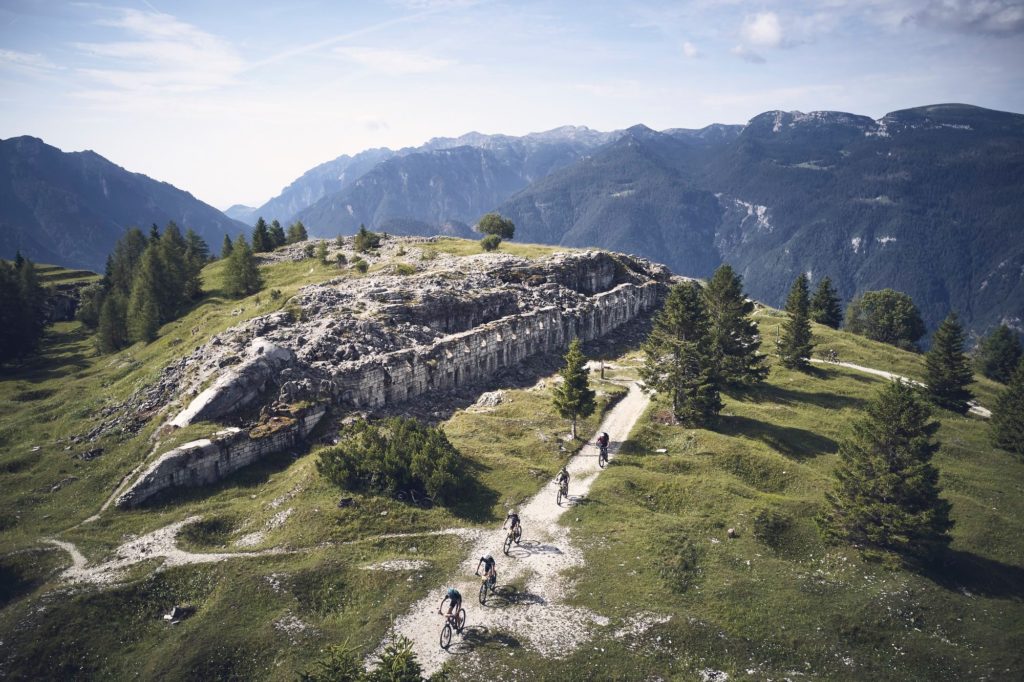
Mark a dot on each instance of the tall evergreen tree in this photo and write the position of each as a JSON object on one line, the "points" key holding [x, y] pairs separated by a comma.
{"points": [[226, 247], [321, 252], [197, 254], [998, 354], [886, 494], [172, 272], [241, 275], [154, 233], [124, 259], [1008, 414], [573, 397], [112, 331], [297, 233], [734, 335], [144, 304], [796, 344], [679, 360], [888, 316], [947, 372], [261, 237], [825, 308], [276, 233], [33, 303]]}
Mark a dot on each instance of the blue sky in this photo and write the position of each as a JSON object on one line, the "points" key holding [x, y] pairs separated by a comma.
{"points": [[233, 100]]}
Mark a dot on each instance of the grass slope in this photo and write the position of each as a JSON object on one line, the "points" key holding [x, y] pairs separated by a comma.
{"points": [[774, 602]]}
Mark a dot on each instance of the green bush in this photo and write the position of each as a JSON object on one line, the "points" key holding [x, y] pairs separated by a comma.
{"points": [[490, 243], [365, 240], [360, 266], [309, 250], [405, 269], [398, 455], [342, 260]]}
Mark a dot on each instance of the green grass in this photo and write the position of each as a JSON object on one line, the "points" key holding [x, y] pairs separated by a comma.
{"points": [[55, 274], [469, 247], [774, 601]]}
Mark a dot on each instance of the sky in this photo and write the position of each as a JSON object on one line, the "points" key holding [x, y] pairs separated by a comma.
{"points": [[233, 100]]}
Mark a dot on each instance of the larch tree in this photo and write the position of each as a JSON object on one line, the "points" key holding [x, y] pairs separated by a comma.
{"points": [[735, 339], [825, 307], [679, 358], [796, 344], [947, 371], [573, 397], [1008, 414], [885, 499]]}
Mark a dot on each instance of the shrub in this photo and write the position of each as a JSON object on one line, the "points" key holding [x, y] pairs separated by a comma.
{"points": [[342, 260], [365, 240], [275, 294], [405, 269], [360, 266], [309, 250], [398, 455], [490, 243]]}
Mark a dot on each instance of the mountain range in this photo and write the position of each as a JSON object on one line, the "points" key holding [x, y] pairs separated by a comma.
{"points": [[924, 200], [71, 208]]}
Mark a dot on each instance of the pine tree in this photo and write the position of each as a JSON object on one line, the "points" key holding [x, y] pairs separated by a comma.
{"points": [[888, 316], [261, 237], [825, 308], [276, 233], [11, 313], [197, 254], [143, 312], [573, 397], [226, 247], [365, 240], [1008, 414], [112, 332], [241, 275], [947, 371], [795, 346], [154, 233], [124, 259], [321, 252], [171, 294], [998, 354], [886, 494], [297, 233], [679, 360], [33, 305], [734, 336]]}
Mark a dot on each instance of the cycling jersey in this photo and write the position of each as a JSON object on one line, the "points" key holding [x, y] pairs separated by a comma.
{"points": [[488, 565], [514, 518]]}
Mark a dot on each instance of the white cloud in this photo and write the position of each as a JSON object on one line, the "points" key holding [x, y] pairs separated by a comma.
{"points": [[25, 62], [747, 55], [690, 50], [762, 30], [393, 62], [163, 54], [992, 17]]}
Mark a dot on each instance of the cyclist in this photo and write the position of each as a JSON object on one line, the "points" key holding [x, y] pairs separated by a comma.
{"points": [[562, 478], [455, 598], [515, 525], [490, 573], [602, 442]]}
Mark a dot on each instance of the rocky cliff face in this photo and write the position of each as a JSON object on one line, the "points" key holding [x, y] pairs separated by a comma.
{"points": [[379, 340]]}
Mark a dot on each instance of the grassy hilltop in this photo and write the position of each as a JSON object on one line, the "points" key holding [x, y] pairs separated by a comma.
{"points": [[774, 602]]}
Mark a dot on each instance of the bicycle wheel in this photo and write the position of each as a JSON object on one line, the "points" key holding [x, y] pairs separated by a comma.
{"points": [[508, 543], [518, 535], [602, 458], [483, 592], [446, 635], [461, 620], [558, 500]]}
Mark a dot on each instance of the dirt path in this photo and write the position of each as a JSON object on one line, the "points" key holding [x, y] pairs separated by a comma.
{"points": [[156, 545], [533, 615], [975, 407]]}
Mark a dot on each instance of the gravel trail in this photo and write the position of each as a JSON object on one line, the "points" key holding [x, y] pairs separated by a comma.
{"points": [[534, 615]]}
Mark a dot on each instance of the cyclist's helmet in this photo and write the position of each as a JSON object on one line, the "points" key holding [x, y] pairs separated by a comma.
{"points": [[451, 592], [488, 557], [512, 512]]}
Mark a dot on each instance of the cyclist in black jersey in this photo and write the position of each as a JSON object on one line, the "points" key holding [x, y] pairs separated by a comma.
{"points": [[455, 598]]}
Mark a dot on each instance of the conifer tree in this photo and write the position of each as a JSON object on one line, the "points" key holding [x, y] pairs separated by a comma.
{"points": [[154, 233], [947, 371], [998, 354], [297, 233], [144, 304], [112, 332], [321, 252], [825, 308], [261, 237], [197, 253], [365, 240], [886, 494], [573, 397], [276, 233], [241, 275], [226, 247], [734, 336], [124, 259], [22, 309], [1008, 414], [679, 359], [173, 273], [888, 316], [796, 345]]}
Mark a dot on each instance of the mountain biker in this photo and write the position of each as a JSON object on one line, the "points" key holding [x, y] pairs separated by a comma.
{"points": [[602, 442], [456, 601], [514, 523], [563, 477], [490, 573]]}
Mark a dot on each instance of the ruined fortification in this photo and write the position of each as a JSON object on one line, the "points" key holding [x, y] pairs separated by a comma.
{"points": [[376, 341]]}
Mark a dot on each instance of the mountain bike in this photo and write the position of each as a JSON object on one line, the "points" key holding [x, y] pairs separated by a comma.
{"points": [[563, 492], [602, 458], [485, 584], [513, 536], [456, 621]]}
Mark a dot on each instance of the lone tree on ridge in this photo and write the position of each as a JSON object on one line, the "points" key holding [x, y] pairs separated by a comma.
{"points": [[573, 397]]}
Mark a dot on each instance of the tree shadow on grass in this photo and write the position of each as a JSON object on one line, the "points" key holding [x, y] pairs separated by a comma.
{"points": [[476, 500], [790, 441], [788, 396], [60, 355], [972, 574]]}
